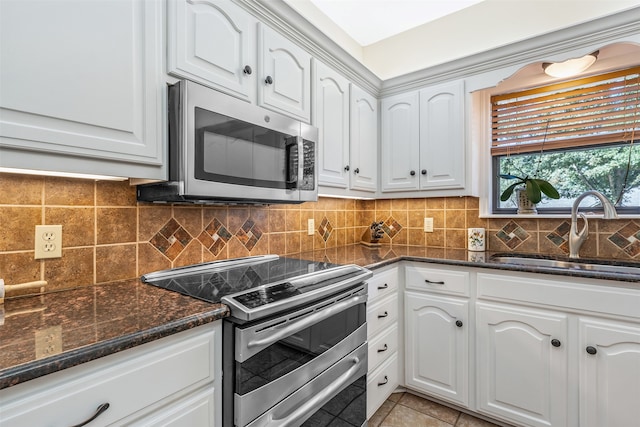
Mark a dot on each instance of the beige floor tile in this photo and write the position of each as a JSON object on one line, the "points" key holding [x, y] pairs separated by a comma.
{"points": [[395, 396], [402, 416], [428, 407], [467, 420], [381, 413]]}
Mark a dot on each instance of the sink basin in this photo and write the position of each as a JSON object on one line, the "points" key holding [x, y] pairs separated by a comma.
{"points": [[566, 264]]}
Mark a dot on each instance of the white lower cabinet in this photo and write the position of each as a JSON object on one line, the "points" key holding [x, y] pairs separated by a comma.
{"points": [[609, 361], [174, 381], [437, 346], [522, 364]]}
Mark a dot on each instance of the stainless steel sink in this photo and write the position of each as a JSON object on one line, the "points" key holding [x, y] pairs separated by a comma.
{"points": [[565, 264]]}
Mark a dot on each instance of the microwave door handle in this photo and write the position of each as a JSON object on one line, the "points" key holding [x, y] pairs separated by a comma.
{"points": [[293, 152]]}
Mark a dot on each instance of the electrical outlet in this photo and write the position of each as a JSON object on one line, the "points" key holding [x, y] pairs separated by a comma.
{"points": [[428, 225], [311, 226], [48, 241], [48, 341]]}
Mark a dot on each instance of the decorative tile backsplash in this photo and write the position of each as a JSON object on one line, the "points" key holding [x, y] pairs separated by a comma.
{"points": [[108, 236]]}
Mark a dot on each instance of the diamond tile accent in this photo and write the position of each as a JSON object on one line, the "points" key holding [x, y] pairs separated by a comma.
{"points": [[325, 228], [560, 236], [249, 234], [627, 239], [214, 237], [512, 235], [391, 227], [171, 239]]}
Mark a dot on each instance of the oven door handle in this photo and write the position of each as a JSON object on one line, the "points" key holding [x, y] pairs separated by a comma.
{"points": [[291, 328], [311, 405]]}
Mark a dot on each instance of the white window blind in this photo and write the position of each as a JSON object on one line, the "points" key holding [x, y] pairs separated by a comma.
{"points": [[594, 110]]}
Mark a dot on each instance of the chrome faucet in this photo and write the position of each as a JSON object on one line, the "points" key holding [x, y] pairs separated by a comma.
{"points": [[576, 239]]}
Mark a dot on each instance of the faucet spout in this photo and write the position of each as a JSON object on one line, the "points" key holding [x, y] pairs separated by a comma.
{"points": [[576, 238]]}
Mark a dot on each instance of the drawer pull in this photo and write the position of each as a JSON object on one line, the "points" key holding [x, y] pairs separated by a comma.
{"points": [[380, 350], [99, 411], [386, 380], [433, 283], [385, 286], [385, 314]]}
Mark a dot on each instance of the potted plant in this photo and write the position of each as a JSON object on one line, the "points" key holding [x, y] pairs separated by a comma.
{"points": [[528, 190]]}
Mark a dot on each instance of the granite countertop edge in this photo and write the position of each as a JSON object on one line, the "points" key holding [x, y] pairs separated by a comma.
{"points": [[38, 368]]}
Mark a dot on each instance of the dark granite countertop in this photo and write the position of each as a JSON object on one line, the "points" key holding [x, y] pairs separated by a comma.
{"points": [[103, 319]]}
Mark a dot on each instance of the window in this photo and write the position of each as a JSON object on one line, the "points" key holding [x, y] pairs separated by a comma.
{"points": [[579, 135]]}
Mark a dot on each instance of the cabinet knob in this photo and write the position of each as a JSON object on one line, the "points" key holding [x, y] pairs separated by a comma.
{"points": [[412, 173], [459, 323], [423, 171], [98, 412], [247, 70], [556, 343], [385, 314], [346, 168], [591, 350], [385, 348], [268, 80], [356, 170], [386, 380]]}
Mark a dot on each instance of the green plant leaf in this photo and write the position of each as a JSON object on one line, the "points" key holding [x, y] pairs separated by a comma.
{"points": [[507, 192], [507, 176], [533, 191], [548, 189]]}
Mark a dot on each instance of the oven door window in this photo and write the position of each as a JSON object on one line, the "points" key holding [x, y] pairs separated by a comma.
{"points": [[236, 152], [297, 350]]}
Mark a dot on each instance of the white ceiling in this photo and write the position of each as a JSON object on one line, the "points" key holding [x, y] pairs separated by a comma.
{"points": [[369, 21]]}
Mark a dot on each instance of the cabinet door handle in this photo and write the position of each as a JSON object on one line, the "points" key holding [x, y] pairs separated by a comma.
{"points": [[385, 286], [268, 80], [247, 70], [412, 173], [459, 323], [556, 342], [99, 411], [386, 380], [386, 313], [385, 348], [356, 170], [423, 171], [591, 350], [433, 283], [346, 168]]}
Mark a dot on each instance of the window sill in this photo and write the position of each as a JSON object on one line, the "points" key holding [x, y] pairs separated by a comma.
{"points": [[553, 216]]}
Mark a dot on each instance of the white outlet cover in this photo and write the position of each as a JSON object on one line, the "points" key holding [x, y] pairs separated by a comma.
{"points": [[311, 226], [48, 241], [428, 225]]}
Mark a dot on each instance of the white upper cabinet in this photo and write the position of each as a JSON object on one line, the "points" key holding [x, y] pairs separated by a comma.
{"points": [[363, 153], [442, 136], [331, 117], [213, 42], [423, 139], [400, 142], [80, 87], [284, 75]]}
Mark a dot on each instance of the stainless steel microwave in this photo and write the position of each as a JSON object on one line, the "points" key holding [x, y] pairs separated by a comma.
{"points": [[224, 150]]}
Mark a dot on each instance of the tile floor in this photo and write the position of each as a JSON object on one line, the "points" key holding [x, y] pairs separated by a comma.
{"points": [[408, 410]]}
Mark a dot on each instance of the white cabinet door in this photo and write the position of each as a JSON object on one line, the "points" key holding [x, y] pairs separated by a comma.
{"points": [[442, 156], [522, 373], [80, 87], [400, 142], [213, 42], [284, 77], [437, 346], [609, 359], [331, 117], [364, 140]]}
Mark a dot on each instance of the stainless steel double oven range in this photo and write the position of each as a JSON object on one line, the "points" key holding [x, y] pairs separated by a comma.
{"points": [[295, 350]]}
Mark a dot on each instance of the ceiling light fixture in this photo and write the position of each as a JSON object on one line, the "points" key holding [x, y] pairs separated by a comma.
{"points": [[570, 67]]}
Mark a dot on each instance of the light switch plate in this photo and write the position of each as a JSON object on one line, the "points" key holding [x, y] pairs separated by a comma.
{"points": [[428, 225]]}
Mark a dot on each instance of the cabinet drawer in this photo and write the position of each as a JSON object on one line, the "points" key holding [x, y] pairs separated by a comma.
{"points": [[382, 346], [129, 381], [383, 283], [381, 383], [437, 280], [382, 314]]}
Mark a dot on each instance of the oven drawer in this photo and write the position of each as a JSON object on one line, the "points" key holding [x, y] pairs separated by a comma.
{"points": [[381, 383], [382, 346], [382, 314], [383, 284], [437, 280]]}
